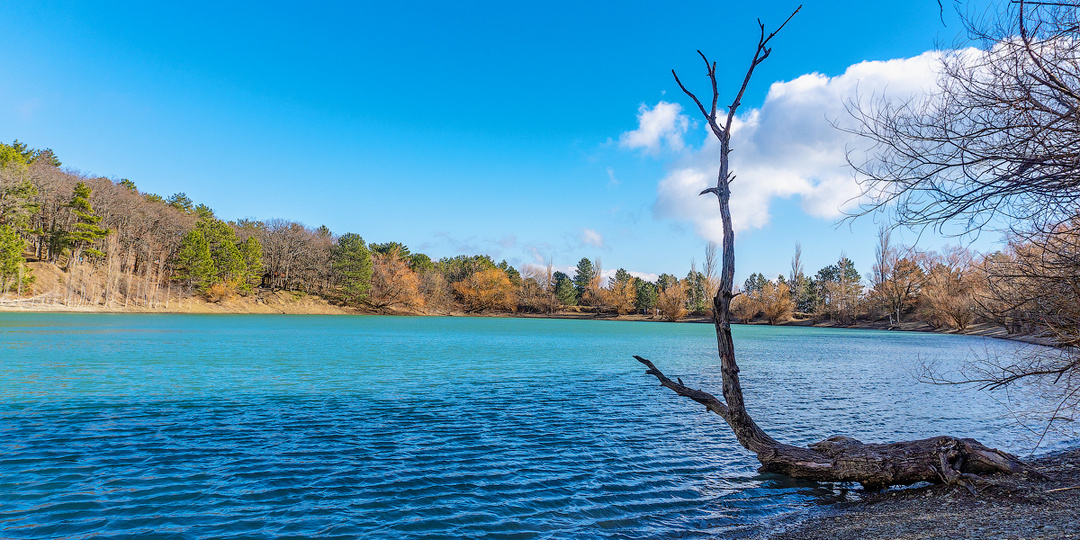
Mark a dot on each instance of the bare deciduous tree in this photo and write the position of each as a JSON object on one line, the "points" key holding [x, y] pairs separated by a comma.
{"points": [[393, 284], [996, 144]]}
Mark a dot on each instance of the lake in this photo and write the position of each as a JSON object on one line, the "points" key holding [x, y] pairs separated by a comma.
{"points": [[220, 426]]}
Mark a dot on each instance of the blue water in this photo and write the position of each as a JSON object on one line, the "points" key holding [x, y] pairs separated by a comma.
{"points": [[389, 427]]}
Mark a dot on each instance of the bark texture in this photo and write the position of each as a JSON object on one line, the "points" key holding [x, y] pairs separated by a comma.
{"points": [[836, 459]]}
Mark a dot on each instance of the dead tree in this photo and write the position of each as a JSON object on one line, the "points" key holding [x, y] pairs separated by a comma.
{"points": [[837, 459]]}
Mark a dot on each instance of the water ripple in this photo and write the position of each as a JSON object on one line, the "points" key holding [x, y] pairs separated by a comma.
{"points": [[455, 429]]}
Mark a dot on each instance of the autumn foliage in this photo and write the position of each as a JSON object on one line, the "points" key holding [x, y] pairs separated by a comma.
{"points": [[488, 289]]}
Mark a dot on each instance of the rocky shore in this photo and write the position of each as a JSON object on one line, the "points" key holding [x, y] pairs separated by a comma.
{"points": [[1005, 507]]}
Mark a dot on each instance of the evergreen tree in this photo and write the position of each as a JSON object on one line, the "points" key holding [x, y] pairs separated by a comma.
{"points": [[511, 273], [695, 292], [194, 261], [755, 283], [584, 276], [838, 289], [213, 254], [457, 268], [203, 211], [394, 249], [17, 191], [802, 292], [20, 152], [647, 295], [180, 201], [565, 292], [352, 268], [86, 230], [224, 248], [665, 281], [420, 263]]}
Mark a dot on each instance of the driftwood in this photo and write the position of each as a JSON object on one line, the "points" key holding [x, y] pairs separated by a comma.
{"points": [[944, 459]]}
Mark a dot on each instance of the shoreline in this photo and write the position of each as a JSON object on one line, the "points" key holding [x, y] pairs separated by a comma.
{"points": [[280, 302], [1014, 506], [47, 297]]}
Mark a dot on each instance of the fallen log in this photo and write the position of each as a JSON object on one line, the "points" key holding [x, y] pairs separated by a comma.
{"points": [[942, 459]]}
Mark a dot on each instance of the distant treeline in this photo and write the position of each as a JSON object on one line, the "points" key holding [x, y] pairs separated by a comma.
{"points": [[121, 247]]}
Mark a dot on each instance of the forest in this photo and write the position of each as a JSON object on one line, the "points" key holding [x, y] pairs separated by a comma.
{"points": [[119, 247]]}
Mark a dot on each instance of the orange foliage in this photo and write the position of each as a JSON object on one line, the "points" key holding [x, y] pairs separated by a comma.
{"points": [[672, 302], [393, 283], [621, 297], [486, 289]]}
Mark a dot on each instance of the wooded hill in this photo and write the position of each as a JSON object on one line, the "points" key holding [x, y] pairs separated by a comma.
{"points": [[121, 248]]}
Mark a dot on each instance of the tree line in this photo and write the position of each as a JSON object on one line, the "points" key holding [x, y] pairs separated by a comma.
{"points": [[122, 247], [948, 289], [119, 246]]}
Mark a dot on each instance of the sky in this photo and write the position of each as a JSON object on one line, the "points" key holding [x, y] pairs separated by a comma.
{"points": [[530, 132]]}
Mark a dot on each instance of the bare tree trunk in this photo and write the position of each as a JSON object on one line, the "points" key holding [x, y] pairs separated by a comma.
{"points": [[146, 283], [129, 264], [111, 261], [836, 459]]}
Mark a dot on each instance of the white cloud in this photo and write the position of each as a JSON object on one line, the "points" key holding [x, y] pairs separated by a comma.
{"points": [[606, 275], [662, 125], [787, 148], [592, 238], [612, 181], [536, 255], [647, 276]]}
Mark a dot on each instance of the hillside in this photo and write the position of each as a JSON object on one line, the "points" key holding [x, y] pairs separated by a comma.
{"points": [[50, 292]]}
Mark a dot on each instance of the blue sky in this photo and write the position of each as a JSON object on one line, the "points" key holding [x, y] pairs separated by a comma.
{"points": [[512, 129]]}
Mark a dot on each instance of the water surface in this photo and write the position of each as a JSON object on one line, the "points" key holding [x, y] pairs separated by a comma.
{"points": [[211, 426]]}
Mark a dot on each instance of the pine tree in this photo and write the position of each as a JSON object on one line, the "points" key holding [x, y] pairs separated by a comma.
{"points": [[194, 261], [565, 293], [647, 296], [223, 245], [86, 230], [584, 276], [352, 268]]}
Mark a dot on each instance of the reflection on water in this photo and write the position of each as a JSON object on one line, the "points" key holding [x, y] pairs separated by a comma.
{"points": [[374, 427]]}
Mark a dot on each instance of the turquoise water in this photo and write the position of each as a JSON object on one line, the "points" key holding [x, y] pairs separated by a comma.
{"points": [[394, 427]]}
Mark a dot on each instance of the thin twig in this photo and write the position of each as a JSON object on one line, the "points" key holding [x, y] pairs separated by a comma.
{"points": [[1062, 489]]}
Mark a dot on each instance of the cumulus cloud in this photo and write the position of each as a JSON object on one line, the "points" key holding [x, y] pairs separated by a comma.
{"points": [[787, 148], [662, 125], [592, 238]]}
